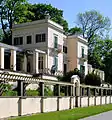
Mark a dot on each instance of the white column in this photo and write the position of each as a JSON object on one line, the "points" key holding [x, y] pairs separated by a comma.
{"points": [[35, 62], [25, 64], [13, 60], [46, 59], [1, 57]]}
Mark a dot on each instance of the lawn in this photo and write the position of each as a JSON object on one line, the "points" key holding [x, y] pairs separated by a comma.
{"points": [[73, 114]]}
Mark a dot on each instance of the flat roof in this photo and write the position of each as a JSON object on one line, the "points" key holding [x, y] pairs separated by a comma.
{"points": [[10, 47]]}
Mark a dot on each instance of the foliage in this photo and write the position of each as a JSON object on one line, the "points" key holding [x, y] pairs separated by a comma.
{"points": [[74, 114], [11, 11], [48, 91], [92, 79], [75, 30], [68, 75], [32, 92], [7, 91], [108, 67], [92, 23], [40, 10]]}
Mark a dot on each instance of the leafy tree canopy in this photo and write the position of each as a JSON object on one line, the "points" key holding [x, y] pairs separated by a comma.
{"points": [[40, 10], [92, 22]]}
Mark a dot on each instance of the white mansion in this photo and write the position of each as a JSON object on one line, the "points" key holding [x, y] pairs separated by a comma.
{"points": [[40, 45]]}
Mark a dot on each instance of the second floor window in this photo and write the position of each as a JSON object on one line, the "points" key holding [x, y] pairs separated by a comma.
{"points": [[55, 41], [18, 40], [64, 49], [82, 52], [40, 38], [29, 39]]}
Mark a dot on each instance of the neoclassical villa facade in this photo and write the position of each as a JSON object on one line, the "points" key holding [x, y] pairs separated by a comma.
{"points": [[39, 45]]}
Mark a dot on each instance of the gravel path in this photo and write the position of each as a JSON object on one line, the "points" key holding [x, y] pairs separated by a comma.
{"points": [[102, 116]]}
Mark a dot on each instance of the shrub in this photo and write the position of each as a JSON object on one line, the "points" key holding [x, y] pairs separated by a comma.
{"points": [[93, 79], [32, 92], [68, 75]]}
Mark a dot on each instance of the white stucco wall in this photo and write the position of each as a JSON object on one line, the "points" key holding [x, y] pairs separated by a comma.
{"points": [[84, 101], [50, 104], [31, 105], [31, 30], [8, 107], [51, 33], [64, 103], [91, 101]]}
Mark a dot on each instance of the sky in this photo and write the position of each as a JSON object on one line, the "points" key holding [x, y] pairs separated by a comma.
{"points": [[72, 7]]}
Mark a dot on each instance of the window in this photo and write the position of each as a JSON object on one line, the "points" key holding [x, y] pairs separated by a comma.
{"points": [[64, 49], [56, 62], [55, 41], [82, 52], [40, 38], [82, 69], [18, 40], [29, 39], [41, 62]]}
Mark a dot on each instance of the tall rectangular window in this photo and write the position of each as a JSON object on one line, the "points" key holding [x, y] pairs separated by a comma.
{"points": [[18, 40], [64, 49], [40, 37], [41, 62], [29, 39], [82, 69], [82, 52], [55, 41], [56, 62]]}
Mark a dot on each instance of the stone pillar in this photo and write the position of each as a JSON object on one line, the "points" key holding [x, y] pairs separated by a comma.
{"points": [[35, 62], [66, 90], [46, 61], [20, 88], [101, 96], [75, 80], [13, 60], [25, 63], [95, 96], [41, 84], [80, 95], [88, 94], [1, 57], [105, 96]]}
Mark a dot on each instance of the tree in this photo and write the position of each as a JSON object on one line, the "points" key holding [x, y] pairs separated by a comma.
{"points": [[92, 23], [108, 67], [11, 11], [92, 79], [40, 10], [75, 30]]}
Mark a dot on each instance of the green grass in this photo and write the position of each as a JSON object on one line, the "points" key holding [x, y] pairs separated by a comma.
{"points": [[73, 114]]}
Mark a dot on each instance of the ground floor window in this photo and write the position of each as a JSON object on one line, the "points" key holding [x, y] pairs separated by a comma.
{"points": [[82, 69]]}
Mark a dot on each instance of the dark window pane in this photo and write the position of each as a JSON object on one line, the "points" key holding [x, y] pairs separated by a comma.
{"points": [[64, 49], [82, 52], [38, 38], [16, 41], [21, 40], [55, 42], [29, 38], [43, 37]]}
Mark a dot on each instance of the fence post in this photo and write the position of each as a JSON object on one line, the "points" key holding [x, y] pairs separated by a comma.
{"points": [[76, 81], [88, 94], [95, 96], [105, 96], [101, 96], [80, 95], [41, 85]]}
